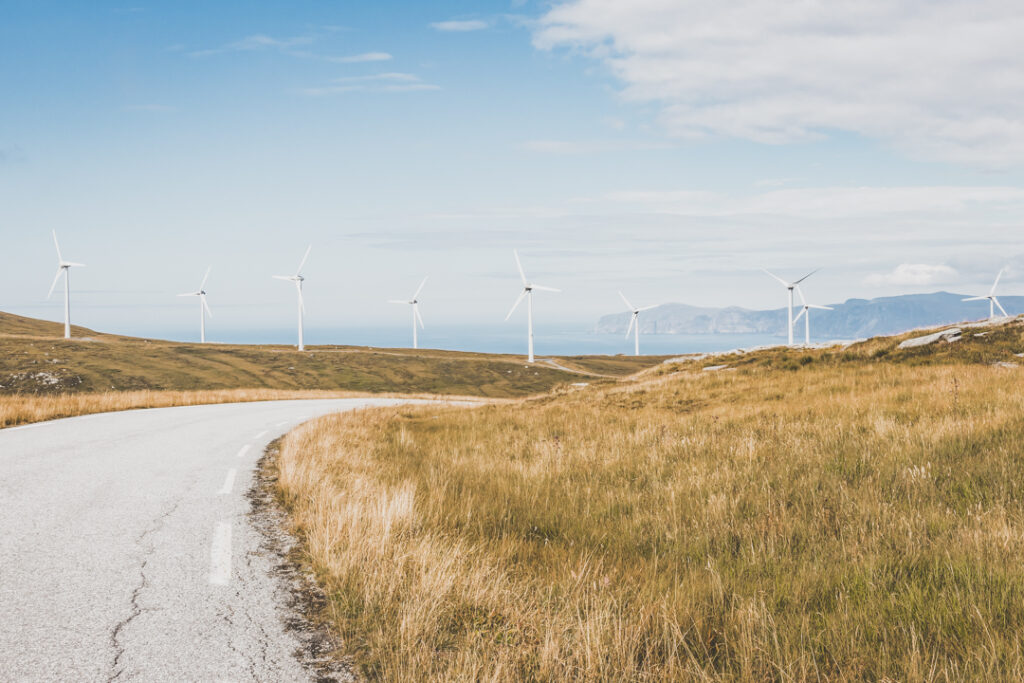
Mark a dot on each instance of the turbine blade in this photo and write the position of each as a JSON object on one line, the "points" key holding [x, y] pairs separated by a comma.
{"points": [[1000, 307], [55, 279], [648, 308], [190, 294], [298, 270], [206, 306], [996, 283], [205, 278], [821, 308], [801, 293], [522, 295], [420, 288], [976, 298], [57, 244], [626, 301], [807, 276], [800, 314], [632, 321], [282, 277], [519, 265], [784, 283], [72, 264], [416, 310], [396, 301], [545, 289]]}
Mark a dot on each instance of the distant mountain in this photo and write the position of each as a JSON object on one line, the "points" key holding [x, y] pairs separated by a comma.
{"points": [[852, 319]]}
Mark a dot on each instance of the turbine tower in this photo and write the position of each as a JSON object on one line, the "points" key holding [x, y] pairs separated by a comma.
{"points": [[298, 280], [416, 317], [634, 321], [65, 268], [527, 294], [806, 314], [791, 286], [992, 300], [204, 308]]}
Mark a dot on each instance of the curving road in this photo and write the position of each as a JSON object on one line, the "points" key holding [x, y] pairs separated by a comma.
{"points": [[127, 553]]}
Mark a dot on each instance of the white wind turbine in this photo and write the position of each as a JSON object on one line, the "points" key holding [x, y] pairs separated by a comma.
{"points": [[527, 294], [791, 286], [204, 308], [298, 280], [805, 312], [991, 297], [634, 321], [416, 317], [65, 268]]}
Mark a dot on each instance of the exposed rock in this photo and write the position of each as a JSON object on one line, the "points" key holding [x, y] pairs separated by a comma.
{"points": [[949, 336]]}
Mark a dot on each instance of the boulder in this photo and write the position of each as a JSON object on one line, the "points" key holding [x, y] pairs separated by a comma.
{"points": [[950, 335]]}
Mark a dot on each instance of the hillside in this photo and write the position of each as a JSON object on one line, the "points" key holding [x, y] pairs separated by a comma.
{"points": [[794, 515], [35, 359], [852, 319]]}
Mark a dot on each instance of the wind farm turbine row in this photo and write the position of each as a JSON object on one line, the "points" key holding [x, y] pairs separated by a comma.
{"points": [[528, 288]]}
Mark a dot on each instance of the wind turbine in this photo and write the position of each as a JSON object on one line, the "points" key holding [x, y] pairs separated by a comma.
{"points": [[416, 317], [204, 308], [65, 268], [992, 300], [805, 312], [298, 279], [527, 294], [791, 286], [634, 321]]}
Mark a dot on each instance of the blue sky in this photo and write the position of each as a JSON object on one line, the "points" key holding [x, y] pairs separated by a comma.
{"points": [[669, 150]]}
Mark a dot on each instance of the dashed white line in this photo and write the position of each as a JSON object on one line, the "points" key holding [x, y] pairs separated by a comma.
{"points": [[245, 449], [281, 424], [229, 482], [220, 555], [261, 434]]}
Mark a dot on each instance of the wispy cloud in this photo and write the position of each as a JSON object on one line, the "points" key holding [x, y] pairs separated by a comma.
{"points": [[460, 26], [572, 147], [914, 275], [360, 58], [939, 80], [254, 43], [390, 81]]}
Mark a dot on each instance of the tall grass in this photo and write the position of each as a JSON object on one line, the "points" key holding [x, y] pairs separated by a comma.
{"points": [[18, 409], [823, 521]]}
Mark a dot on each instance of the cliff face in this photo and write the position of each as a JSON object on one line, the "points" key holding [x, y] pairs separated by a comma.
{"points": [[851, 319]]}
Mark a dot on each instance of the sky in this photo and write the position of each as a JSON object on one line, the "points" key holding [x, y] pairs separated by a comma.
{"points": [[666, 148]]}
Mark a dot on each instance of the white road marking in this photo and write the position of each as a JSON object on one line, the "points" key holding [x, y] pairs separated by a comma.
{"points": [[261, 434], [281, 424], [220, 555], [245, 449], [229, 482]]}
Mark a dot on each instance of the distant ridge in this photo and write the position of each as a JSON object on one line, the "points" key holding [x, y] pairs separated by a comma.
{"points": [[853, 319]]}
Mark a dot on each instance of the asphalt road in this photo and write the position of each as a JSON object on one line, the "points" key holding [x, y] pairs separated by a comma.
{"points": [[126, 551]]}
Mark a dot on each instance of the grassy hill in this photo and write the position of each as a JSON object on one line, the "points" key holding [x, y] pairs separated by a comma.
{"points": [[35, 359], [840, 514]]}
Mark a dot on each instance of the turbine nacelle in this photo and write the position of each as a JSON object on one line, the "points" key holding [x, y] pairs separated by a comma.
{"points": [[993, 302]]}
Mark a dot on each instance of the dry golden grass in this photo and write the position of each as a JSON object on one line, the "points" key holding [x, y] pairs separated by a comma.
{"points": [[19, 409], [839, 520]]}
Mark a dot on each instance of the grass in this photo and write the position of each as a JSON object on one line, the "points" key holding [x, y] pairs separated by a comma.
{"points": [[842, 514], [43, 375]]}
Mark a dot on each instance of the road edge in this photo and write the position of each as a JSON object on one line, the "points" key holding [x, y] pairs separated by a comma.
{"points": [[301, 600]]}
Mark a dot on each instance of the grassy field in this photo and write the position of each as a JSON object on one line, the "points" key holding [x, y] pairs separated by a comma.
{"points": [[841, 514], [42, 374]]}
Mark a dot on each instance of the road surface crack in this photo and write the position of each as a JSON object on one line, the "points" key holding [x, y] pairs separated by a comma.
{"points": [[147, 547]]}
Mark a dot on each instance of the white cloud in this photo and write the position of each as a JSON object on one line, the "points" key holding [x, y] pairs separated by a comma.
{"points": [[569, 147], [382, 82], [360, 58], [256, 42], [940, 79], [459, 26], [914, 274]]}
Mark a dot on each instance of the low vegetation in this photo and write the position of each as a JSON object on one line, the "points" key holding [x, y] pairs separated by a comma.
{"points": [[842, 514], [43, 375]]}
